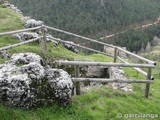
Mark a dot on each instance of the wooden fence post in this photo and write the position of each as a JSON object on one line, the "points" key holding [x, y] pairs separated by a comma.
{"points": [[148, 84], [77, 84], [115, 54], [44, 40]]}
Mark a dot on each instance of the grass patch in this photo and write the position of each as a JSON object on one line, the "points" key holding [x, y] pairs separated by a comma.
{"points": [[54, 53], [9, 20], [98, 104], [131, 73]]}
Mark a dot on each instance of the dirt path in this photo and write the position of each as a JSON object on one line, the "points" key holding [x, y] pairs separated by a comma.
{"points": [[135, 28]]}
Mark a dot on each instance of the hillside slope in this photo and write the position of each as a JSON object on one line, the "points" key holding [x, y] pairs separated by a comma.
{"points": [[10, 20], [99, 103]]}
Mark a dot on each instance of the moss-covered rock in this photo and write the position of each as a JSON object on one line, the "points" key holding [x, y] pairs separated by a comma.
{"points": [[26, 83]]}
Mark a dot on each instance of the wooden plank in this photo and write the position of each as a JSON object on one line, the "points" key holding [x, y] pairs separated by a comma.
{"points": [[105, 64], [146, 94], [80, 46], [135, 68], [19, 31], [115, 54], [137, 56], [79, 36], [110, 80], [19, 44], [43, 40], [77, 84]]}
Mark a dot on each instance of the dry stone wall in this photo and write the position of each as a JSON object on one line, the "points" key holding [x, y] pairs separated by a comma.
{"points": [[117, 73]]}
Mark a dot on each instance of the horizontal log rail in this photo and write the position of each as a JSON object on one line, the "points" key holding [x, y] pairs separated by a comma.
{"points": [[102, 43], [135, 68], [110, 80], [137, 56], [19, 31], [105, 64], [80, 46], [19, 44], [79, 36]]}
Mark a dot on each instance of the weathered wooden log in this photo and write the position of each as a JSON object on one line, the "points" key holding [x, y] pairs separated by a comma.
{"points": [[137, 56], [19, 31], [137, 69], [19, 44], [77, 84], [102, 43], [110, 80], [105, 64], [77, 45], [146, 94], [43, 40], [79, 36], [115, 54]]}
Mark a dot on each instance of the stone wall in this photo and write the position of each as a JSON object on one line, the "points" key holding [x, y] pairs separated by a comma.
{"points": [[117, 73]]}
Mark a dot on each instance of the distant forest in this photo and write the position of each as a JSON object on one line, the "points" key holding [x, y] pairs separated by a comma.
{"points": [[93, 18], [134, 40]]}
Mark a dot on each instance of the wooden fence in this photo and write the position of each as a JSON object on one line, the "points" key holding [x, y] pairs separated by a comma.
{"points": [[148, 63], [41, 38]]}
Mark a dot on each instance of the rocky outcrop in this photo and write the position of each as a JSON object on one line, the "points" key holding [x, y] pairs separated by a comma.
{"points": [[155, 41], [117, 73], [26, 36], [5, 54], [97, 71], [26, 83], [71, 47], [11, 6], [33, 23]]}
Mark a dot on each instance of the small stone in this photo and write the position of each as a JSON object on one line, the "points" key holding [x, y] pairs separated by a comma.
{"points": [[32, 76], [71, 47]]}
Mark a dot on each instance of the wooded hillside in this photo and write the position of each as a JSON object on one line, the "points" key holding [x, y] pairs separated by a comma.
{"points": [[90, 16], [96, 18]]}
